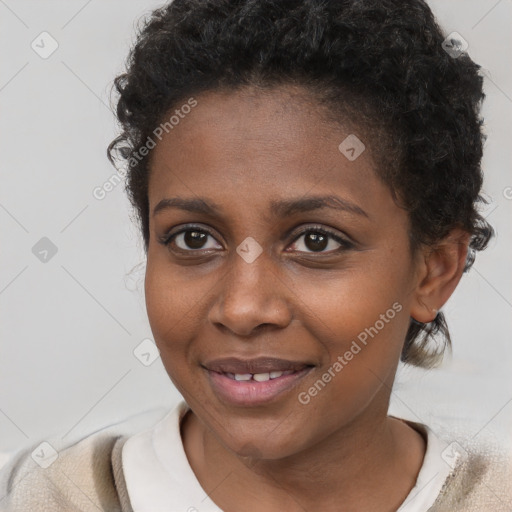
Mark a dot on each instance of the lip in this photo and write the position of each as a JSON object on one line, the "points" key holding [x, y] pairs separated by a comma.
{"points": [[254, 365], [247, 393]]}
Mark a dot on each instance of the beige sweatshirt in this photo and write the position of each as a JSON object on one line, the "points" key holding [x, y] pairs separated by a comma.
{"points": [[88, 477]]}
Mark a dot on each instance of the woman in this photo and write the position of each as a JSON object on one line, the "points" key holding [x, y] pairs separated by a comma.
{"points": [[306, 175]]}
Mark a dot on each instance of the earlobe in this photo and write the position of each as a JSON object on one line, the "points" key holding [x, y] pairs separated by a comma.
{"points": [[443, 266]]}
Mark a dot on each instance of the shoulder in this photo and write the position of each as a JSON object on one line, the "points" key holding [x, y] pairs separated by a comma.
{"points": [[85, 476], [79, 477], [480, 480]]}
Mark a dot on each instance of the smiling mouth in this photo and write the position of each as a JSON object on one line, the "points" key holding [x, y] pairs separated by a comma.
{"points": [[255, 381]]}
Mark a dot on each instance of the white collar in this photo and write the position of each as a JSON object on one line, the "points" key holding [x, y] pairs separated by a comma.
{"points": [[157, 473], [439, 460], [159, 477]]}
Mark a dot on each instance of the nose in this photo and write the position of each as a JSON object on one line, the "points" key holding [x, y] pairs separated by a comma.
{"points": [[252, 296]]}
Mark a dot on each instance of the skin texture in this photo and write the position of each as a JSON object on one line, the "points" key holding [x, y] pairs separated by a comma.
{"points": [[243, 150]]}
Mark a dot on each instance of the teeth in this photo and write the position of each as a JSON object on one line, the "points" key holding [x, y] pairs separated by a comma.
{"points": [[243, 376], [259, 377]]}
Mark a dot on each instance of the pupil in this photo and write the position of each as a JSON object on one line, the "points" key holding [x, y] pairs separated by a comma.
{"points": [[194, 239], [318, 241]]}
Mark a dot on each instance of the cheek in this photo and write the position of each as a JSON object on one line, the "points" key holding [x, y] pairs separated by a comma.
{"points": [[166, 310], [360, 318], [343, 305], [170, 297], [362, 342], [362, 361], [170, 306]]}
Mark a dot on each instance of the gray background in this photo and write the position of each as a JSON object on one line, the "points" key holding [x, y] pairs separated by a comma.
{"points": [[69, 326]]}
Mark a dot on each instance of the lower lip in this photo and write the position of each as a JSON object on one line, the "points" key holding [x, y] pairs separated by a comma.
{"points": [[251, 392]]}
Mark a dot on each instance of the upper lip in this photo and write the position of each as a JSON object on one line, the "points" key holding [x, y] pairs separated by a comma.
{"points": [[256, 365]]}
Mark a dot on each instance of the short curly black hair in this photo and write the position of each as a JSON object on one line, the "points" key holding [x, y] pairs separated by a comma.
{"points": [[382, 62]]}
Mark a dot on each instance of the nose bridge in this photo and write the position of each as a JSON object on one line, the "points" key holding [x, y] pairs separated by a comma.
{"points": [[249, 271], [251, 294]]}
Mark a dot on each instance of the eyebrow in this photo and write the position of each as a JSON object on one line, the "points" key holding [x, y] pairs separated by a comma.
{"points": [[282, 208]]}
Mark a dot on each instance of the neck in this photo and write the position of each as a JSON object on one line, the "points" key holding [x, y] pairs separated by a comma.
{"points": [[376, 453]]}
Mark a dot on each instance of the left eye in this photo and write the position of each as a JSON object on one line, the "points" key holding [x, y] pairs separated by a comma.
{"points": [[317, 240]]}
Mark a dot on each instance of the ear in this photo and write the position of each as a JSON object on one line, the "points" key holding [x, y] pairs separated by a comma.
{"points": [[439, 273]]}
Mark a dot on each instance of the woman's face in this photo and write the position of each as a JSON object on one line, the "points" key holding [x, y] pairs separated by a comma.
{"points": [[260, 269]]}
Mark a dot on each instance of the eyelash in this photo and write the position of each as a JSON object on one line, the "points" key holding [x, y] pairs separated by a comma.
{"points": [[345, 244]]}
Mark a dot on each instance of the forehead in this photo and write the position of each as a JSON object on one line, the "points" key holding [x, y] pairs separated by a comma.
{"points": [[254, 145]]}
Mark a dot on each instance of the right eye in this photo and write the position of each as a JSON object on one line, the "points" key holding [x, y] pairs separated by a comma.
{"points": [[188, 239]]}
